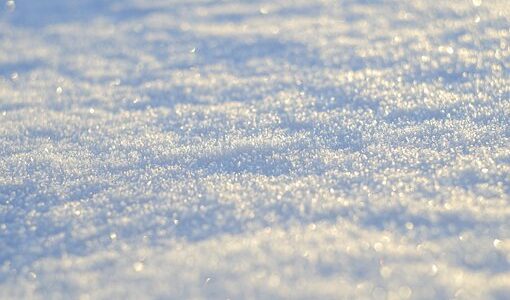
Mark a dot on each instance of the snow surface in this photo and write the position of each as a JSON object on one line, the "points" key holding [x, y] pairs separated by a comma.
{"points": [[254, 149]]}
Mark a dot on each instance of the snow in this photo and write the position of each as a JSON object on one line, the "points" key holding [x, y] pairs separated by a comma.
{"points": [[255, 149]]}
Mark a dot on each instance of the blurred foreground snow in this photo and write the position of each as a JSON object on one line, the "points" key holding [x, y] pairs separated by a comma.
{"points": [[244, 149]]}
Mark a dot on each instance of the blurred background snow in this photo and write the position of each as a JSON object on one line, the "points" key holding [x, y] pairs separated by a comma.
{"points": [[254, 149]]}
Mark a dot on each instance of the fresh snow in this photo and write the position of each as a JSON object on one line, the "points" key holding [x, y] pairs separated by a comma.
{"points": [[306, 149]]}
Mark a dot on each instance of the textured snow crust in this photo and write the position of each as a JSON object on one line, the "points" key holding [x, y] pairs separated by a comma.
{"points": [[254, 149]]}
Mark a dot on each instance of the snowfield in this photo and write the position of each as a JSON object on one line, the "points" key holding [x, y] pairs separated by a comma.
{"points": [[307, 149]]}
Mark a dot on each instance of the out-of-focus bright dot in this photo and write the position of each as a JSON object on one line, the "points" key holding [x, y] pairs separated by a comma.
{"points": [[91, 110], [385, 272], [176, 222], [409, 226], [477, 2], [477, 19], [433, 270], [485, 170], [378, 247], [14, 76], [449, 50], [113, 236], [11, 5], [138, 266], [497, 243], [207, 280], [59, 90], [193, 50], [405, 292], [77, 212], [263, 11]]}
